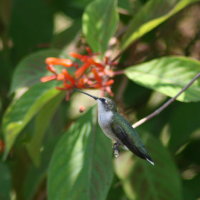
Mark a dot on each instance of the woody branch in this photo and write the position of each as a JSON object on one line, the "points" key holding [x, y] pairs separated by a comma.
{"points": [[166, 104]]}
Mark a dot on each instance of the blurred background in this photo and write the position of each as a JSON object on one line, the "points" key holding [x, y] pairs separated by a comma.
{"points": [[30, 31]]}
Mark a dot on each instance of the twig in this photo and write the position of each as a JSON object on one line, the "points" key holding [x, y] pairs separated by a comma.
{"points": [[115, 73], [116, 57], [165, 105]]}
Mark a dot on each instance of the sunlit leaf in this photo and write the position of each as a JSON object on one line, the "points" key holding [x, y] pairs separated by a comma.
{"points": [[29, 71], [150, 16], [143, 181], [168, 75], [22, 111], [36, 175], [5, 182], [41, 125], [100, 21], [81, 167]]}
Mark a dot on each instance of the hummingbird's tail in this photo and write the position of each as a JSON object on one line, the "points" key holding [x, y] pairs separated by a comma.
{"points": [[140, 153], [150, 161]]}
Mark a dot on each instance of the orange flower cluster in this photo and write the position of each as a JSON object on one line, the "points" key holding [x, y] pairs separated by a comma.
{"points": [[87, 73]]}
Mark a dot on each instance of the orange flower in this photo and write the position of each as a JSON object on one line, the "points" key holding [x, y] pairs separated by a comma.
{"points": [[87, 74], [79, 72], [58, 61], [96, 75], [48, 78]]}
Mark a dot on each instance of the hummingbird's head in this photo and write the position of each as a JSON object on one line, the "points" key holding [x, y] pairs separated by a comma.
{"points": [[104, 103]]}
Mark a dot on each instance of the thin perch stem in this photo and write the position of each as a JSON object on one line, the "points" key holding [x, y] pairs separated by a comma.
{"points": [[165, 105]]}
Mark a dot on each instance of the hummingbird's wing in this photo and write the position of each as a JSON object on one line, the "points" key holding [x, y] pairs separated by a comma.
{"points": [[129, 137]]}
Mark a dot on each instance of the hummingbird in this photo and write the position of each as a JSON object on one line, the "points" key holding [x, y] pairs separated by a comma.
{"points": [[118, 129]]}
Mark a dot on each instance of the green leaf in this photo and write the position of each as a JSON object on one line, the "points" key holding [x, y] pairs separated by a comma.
{"points": [[41, 125], [100, 21], [22, 111], [5, 182], [81, 166], [150, 16], [143, 181], [168, 75], [35, 176], [182, 127], [29, 71], [116, 191]]}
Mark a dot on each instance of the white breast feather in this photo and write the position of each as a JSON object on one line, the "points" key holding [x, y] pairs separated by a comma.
{"points": [[105, 119]]}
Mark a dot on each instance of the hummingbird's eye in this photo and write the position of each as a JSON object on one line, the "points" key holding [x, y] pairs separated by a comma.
{"points": [[103, 100]]}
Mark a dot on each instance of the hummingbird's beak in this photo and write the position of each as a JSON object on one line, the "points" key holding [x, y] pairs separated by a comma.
{"points": [[95, 98]]}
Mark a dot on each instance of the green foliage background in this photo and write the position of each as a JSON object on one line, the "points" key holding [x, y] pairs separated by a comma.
{"points": [[54, 152]]}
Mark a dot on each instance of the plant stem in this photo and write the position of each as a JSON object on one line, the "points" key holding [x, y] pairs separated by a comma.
{"points": [[166, 104], [115, 73]]}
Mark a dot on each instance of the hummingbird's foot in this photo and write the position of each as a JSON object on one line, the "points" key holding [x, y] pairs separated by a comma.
{"points": [[116, 149]]}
